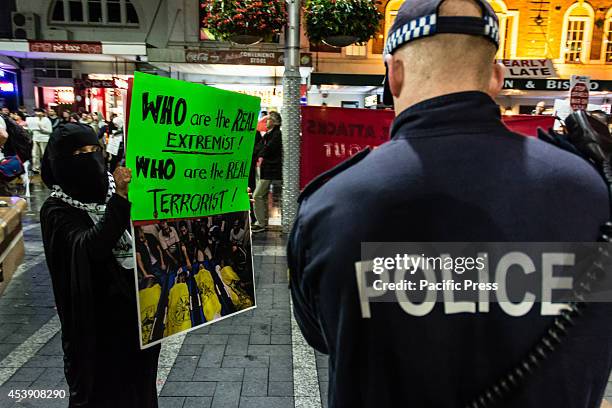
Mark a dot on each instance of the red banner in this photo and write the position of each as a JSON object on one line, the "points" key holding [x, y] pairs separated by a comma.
{"points": [[72, 47], [332, 135], [528, 125]]}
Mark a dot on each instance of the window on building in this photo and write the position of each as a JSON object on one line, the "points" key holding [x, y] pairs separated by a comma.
{"points": [[508, 29], [577, 32], [44, 68], [76, 10], [93, 12], [356, 50], [607, 40], [58, 12], [390, 14], [131, 15], [114, 11]]}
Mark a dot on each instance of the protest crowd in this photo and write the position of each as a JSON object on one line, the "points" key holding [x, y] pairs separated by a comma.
{"points": [[25, 127]]}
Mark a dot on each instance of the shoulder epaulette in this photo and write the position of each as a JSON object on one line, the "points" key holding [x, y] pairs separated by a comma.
{"points": [[323, 178]]}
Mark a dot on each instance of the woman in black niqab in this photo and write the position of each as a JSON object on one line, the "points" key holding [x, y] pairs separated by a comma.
{"points": [[85, 226]]}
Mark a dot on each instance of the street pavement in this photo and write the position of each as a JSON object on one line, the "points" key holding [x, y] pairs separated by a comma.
{"points": [[257, 359], [247, 361]]}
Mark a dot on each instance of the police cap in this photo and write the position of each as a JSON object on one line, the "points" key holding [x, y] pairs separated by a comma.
{"points": [[418, 19]]}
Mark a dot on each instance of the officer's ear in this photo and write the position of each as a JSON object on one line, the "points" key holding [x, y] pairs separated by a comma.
{"points": [[496, 83], [396, 74]]}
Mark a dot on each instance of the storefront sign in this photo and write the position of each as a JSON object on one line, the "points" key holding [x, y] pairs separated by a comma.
{"points": [[7, 87], [71, 47], [80, 83], [528, 68], [553, 85], [332, 135], [579, 92], [269, 58]]}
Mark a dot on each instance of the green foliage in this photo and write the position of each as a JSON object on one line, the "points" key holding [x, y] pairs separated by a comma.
{"points": [[328, 18], [251, 17]]}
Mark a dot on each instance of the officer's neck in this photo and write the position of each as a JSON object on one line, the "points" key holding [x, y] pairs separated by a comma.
{"points": [[411, 95]]}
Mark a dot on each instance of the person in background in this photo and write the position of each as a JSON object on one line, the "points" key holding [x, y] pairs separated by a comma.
{"points": [[115, 145], [5, 110], [88, 119], [41, 128], [3, 139], [111, 124], [102, 130], [258, 145], [55, 120], [24, 110], [85, 226], [237, 234], [149, 255], [74, 118], [19, 118], [172, 246], [270, 169], [262, 126], [65, 116], [539, 109], [189, 241]]}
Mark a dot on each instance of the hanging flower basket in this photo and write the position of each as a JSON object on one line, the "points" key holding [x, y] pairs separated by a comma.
{"points": [[245, 39], [244, 22], [340, 41], [340, 23]]}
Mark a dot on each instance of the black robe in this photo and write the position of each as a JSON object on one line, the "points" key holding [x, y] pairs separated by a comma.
{"points": [[96, 303]]}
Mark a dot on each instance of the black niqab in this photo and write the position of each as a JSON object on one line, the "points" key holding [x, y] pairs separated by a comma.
{"points": [[81, 176]]}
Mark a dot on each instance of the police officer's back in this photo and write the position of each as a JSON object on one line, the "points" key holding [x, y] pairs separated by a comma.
{"points": [[451, 172]]}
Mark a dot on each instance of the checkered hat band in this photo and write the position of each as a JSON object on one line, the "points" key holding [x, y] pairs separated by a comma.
{"points": [[417, 28], [429, 25]]}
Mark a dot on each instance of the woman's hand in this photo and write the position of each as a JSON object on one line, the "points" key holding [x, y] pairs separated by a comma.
{"points": [[122, 176], [250, 193]]}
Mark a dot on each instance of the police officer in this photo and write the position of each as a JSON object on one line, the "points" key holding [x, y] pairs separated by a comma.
{"points": [[451, 172]]}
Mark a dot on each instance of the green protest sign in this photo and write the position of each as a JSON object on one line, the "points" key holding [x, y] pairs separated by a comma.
{"points": [[189, 147]]}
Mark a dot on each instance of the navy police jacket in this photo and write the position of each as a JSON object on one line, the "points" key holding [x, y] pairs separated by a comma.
{"points": [[451, 172]]}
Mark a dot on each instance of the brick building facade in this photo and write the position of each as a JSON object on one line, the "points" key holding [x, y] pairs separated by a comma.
{"points": [[576, 35]]}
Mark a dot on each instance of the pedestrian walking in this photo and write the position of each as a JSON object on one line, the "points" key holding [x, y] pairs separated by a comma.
{"points": [[270, 164], [41, 128]]}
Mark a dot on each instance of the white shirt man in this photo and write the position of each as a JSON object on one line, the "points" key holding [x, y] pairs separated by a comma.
{"points": [[3, 135], [41, 128]]}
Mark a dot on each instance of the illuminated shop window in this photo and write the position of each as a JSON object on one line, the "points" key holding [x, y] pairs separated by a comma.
{"points": [[93, 12], [577, 32], [607, 40], [356, 50]]}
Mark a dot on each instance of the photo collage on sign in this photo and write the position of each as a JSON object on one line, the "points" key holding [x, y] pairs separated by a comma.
{"points": [[191, 272]]}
